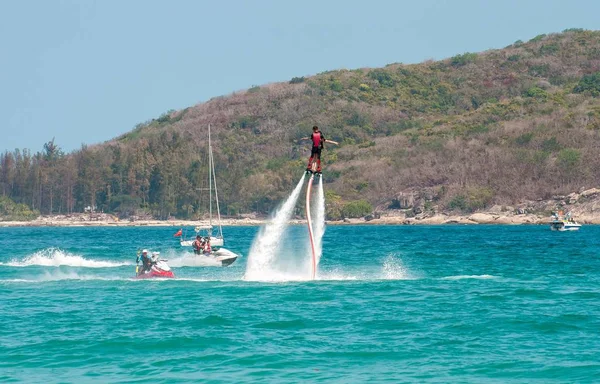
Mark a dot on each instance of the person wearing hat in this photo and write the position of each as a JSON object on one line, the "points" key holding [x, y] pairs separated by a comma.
{"points": [[146, 261]]}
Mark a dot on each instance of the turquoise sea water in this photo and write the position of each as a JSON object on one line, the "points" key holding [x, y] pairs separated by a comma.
{"points": [[391, 304]]}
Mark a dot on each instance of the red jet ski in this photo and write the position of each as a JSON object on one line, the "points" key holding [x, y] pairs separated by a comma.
{"points": [[158, 269]]}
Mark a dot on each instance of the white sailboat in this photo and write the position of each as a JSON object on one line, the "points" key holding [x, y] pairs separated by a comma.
{"points": [[223, 255]]}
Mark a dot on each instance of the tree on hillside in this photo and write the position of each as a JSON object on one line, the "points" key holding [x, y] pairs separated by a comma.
{"points": [[589, 83], [51, 157]]}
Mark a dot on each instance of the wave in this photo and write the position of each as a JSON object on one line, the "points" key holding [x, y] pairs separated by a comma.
{"points": [[274, 276], [337, 275], [461, 277], [59, 275], [204, 279], [392, 269], [54, 257]]}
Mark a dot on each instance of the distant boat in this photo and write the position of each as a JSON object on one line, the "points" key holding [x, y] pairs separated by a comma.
{"points": [[563, 223]]}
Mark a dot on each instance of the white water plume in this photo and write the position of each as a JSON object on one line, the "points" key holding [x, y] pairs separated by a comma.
{"points": [[266, 245], [393, 269], [319, 221]]}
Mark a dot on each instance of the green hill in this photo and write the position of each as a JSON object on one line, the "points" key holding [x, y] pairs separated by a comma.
{"points": [[460, 134]]}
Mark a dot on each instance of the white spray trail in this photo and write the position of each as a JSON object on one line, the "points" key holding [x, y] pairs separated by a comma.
{"points": [[264, 248], [55, 257], [319, 221]]}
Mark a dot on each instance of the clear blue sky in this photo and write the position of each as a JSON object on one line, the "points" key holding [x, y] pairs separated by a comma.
{"points": [[86, 71]]}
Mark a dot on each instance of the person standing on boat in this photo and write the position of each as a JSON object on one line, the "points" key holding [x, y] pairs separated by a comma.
{"points": [[198, 245]]}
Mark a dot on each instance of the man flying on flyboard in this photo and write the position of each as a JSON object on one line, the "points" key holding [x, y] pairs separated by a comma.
{"points": [[318, 141]]}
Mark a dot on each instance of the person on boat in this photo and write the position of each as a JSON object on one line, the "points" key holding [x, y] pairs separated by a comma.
{"points": [[207, 247], [198, 245], [146, 261], [318, 141]]}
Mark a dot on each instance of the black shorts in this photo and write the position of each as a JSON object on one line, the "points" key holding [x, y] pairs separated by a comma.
{"points": [[316, 151]]}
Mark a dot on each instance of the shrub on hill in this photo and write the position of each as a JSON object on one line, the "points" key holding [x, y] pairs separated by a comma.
{"points": [[464, 59], [472, 199], [589, 83], [358, 208]]}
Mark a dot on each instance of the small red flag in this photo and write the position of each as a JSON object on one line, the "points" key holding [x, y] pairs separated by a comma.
{"points": [[178, 233]]}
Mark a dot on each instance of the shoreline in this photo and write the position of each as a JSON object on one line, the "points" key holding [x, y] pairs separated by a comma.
{"points": [[485, 218]]}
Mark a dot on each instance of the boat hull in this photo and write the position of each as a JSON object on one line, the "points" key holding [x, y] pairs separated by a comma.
{"points": [[225, 256], [217, 258], [156, 275], [564, 227], [227, 261]]}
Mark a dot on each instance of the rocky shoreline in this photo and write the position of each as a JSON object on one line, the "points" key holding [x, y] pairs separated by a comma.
{"points": [[584, 206]]}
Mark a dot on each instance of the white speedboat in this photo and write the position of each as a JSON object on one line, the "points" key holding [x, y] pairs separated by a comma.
{"points": [[563, 223]]}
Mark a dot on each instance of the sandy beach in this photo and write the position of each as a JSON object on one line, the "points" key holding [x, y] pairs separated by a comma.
{"points": [[105, 220]]}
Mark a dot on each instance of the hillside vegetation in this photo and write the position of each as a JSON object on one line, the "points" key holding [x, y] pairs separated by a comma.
{"points": [[10, 211], [461, 134]]}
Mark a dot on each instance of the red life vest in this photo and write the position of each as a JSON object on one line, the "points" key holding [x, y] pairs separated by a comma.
{"points": [[317, 138]]}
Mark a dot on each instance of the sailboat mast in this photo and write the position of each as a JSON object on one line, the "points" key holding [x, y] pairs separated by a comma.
{"points": [[216, 196], [209, 178]]}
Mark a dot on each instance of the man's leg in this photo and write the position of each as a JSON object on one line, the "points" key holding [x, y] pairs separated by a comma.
{"points": [[319, 161], [310, 159]]}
